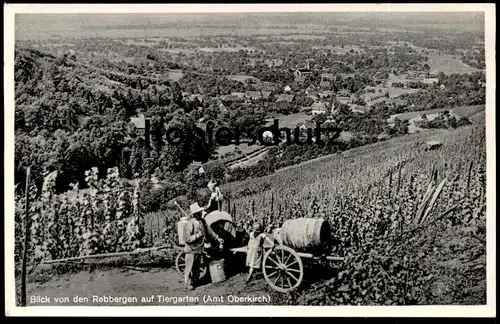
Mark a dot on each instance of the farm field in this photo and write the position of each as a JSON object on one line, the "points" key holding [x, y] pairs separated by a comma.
{"points": [[303, 36], [281, 43], [370, 231], [447, 64], [341, 50], [290, 121], [396, 92], [241, 78], [393, 92], [50, 32], [177, 50], [115, 26], [243, 147], [468, 111], [222, 49], [478, 118], [396, 78]]}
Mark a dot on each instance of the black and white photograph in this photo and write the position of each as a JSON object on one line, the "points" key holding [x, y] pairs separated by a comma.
{"points": [[250, 155]]}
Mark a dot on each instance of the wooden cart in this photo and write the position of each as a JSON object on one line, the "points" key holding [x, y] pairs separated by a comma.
{"points": [[282, 266]]}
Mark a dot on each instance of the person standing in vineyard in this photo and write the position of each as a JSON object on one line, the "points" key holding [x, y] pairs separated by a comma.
{"points": [[216, 197], [254, 249], [196, 233]]}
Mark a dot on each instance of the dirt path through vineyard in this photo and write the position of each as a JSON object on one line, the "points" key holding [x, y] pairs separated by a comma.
{"points": [[124, 282]]}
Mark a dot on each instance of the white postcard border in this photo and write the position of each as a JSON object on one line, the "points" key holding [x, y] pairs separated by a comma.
{"points": [[488, 310]]}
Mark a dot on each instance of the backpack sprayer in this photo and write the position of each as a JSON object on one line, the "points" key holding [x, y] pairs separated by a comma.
{"points": [[182, 223]]}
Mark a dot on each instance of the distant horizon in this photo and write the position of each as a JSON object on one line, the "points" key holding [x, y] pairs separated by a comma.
{"points": [[46, 25]]}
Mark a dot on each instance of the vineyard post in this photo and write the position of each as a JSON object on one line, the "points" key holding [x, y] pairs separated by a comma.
{"points": [[443, 168], [399, 177], [459, 168], [271, 215], [469, 176], [390, 183], [147, 123], [151, 230], [157, 227], [26, 239], [401, 219], [234, 211]]}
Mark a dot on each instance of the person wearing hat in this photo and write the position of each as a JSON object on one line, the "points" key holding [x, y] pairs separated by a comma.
{"points": [[196, 232]]}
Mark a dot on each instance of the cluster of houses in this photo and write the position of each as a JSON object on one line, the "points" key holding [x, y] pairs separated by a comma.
{"points": [[321, 97], [322, 93]]}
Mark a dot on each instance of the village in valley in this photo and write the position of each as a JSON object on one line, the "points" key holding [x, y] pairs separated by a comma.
{"points": [[316, 82], [297, 76]]}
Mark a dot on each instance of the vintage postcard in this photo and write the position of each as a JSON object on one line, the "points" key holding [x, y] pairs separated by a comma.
{"points": [[333, 160]]}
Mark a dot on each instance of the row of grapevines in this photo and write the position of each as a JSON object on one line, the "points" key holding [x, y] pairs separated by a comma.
{"points": [[101, 219], [371, 199]]}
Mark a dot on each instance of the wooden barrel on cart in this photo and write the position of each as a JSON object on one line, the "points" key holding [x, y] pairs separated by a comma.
{"points": [[222, 224], [311, 235]]}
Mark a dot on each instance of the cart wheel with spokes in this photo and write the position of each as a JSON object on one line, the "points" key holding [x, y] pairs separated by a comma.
{"points": [[180, 264], [282, 269]]}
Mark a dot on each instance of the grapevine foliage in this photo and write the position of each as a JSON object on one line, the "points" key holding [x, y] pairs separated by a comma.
{"points": [[101, 219]]}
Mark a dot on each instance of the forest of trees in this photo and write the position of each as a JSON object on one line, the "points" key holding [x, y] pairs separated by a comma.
{"points": [[66, 121]]}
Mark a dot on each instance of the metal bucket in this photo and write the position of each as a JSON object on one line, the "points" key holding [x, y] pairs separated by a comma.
{"points": [[217, 272]]}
